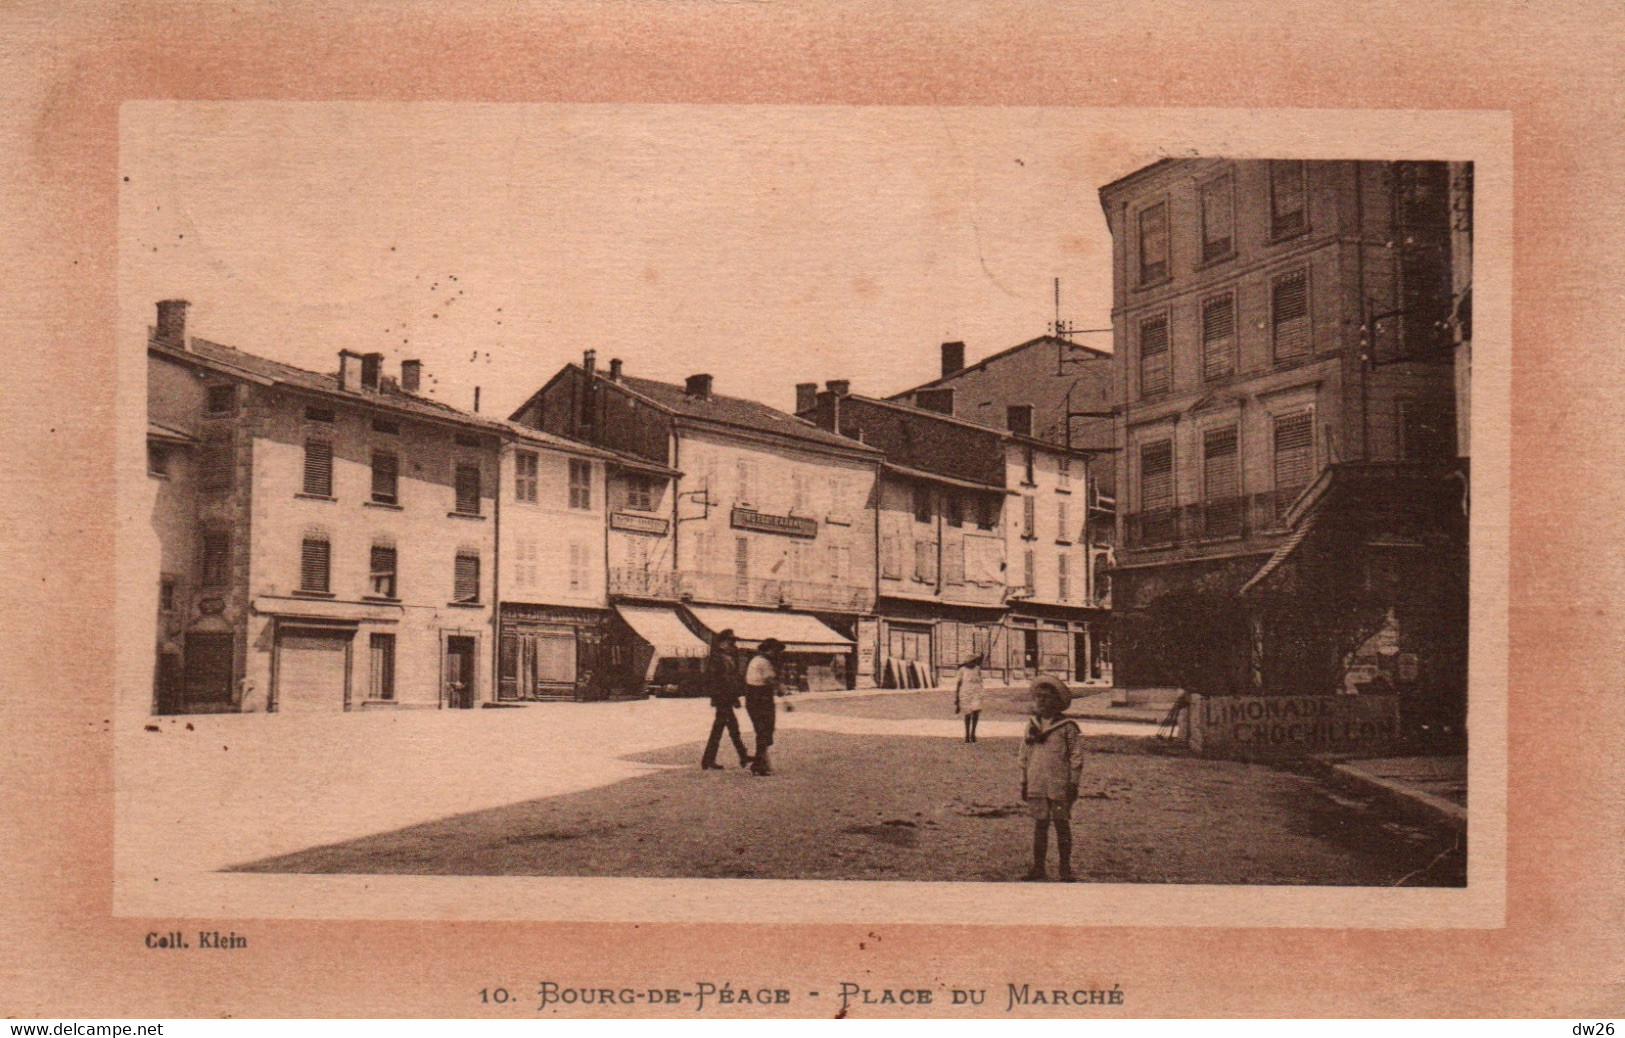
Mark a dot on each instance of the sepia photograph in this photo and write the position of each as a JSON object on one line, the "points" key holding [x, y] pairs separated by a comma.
{"points": [[972, 496]]}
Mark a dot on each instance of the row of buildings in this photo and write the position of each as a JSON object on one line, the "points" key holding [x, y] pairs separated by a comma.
{"points": [[341, 541], [1261, 488]]}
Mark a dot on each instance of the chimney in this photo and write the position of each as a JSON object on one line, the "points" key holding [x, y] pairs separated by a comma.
{"points": [[171, 330], [372, 366], [349, 371], [589, 363], [1018, 418], [698, 387], [411, 375], [806, 396], [839, 386], [476, 399], [953, 358], [615, 369]]}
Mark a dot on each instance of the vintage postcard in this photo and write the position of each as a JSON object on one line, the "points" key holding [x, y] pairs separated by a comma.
{"points": [[786, 553]]}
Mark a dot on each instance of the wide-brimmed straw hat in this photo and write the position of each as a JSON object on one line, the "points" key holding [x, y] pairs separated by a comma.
{"points": [[1046, 685]]}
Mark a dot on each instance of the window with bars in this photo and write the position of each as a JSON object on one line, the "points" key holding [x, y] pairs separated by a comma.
{"points": [[1062, 578], [580, 484], [465, 587], [922, 503], [386, 471], [1218, 219], [1154, 368], [382, 580], [1029, 517], [382, 681], [1286, 199], [1289, 315], [214, 565], [468, 489], [1294, 457], [216, 462], [1063, 522], [319, 468], [1221, 483], [1219, 336], [1156, 475], [1154, 243], [525, 467], [316, 566]]}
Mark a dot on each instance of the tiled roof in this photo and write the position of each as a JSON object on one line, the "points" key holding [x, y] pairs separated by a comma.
{"points": [[1042, 340], [737, 412]]}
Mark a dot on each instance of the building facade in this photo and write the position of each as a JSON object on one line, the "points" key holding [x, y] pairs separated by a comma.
{"points": [[985, 546], [767, 531], [1274, 320], [327, 542]]}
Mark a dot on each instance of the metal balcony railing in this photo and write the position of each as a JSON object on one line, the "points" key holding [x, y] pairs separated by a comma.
{"points": [[729, 588], [1204, 521]]}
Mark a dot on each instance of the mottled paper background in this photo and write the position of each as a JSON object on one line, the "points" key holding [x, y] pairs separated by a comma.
{"points": [[68, 67]]}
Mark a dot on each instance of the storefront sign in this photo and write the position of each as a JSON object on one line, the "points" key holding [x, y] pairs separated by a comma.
{"points": [[789, 525], [638, 523], [1258, 726]]}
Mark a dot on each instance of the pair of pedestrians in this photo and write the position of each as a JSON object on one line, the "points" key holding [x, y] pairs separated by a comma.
{"points": [[759, 685]]}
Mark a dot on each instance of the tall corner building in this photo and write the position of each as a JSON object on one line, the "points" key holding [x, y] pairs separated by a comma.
{"points": [[1291, 501]]}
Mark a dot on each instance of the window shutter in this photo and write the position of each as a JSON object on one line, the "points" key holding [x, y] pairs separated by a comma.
{"points": [[1290, 315], [1063, 522], [319, 468], [383, 571], [216, 561], [1156, 474], [1154, 243], [1028, 569], [1062, 577], [383, 666], [1154, 355], [1219, 471], [1218, 337], [1029, 517], [315, 562], [466, 582], [1286, 198], [1294, 451], [385, 477], [1218, 218]]}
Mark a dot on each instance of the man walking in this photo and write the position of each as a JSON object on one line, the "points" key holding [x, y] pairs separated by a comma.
{"points": [[723, 683], [761, 685]]}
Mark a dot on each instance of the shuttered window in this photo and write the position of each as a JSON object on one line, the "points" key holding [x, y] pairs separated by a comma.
{"points": [[1289, 315], [1221, 483], [383, 571], [1062, 577], [1154, 356], [1294, 455], [382, 684], [1156, 475], [891, 558], [525, 465], [1219, 337], [466, 579], [1286, 199], [953, 562], [1029, 571], [216, 462], [578, 566], [1063, 522], [640, 495], [925, 562], [1218, 219], [581, 483], [315, 566], [214, 565], [1029, 518], [385, 478], [319, 468], [1154, 243], [468, 489]]}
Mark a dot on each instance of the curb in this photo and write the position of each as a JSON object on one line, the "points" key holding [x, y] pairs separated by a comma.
{"points": [[1416, 803]]}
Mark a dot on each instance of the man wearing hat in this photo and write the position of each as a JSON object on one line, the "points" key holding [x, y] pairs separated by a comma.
{"points": [[1051, 768], [761, 685], [724, 684]]}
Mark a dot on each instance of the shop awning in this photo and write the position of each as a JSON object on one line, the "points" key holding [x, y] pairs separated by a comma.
{"points": [[798, 631], [664, 630]]}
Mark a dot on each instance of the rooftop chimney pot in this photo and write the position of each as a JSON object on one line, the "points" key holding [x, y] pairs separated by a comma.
{"points": [[411, 375], [589, 362], [698, 387], [615, 369], [953, 358], [171, 330], [839, 386], [806, 396]]}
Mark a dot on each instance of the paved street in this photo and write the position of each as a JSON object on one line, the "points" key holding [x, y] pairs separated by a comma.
{"points": [[877, 787]]}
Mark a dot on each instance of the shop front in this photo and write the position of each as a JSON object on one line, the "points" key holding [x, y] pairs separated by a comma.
{"points": [[816, 656], [551, 653], [656, 652]]}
